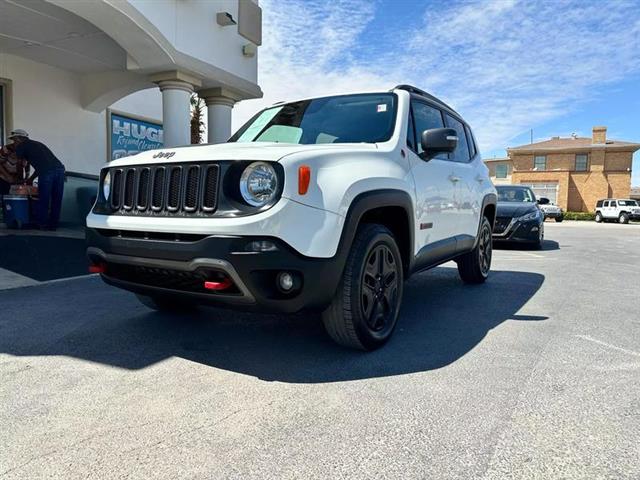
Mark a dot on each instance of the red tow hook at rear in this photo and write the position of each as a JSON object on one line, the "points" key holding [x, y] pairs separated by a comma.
{"points": [[218, 286]]}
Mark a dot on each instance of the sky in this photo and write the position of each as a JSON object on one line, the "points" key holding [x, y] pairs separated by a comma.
{"points": [[507, 66]]}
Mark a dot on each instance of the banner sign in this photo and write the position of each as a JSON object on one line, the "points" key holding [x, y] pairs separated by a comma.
{"points": [[129, 135]]}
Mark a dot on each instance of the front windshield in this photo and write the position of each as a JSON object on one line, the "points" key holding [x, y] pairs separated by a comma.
{"points": [[628, 203], [515, 194], [362, 118]]}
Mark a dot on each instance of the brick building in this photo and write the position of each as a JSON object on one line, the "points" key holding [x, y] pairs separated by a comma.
{"points": [[572, 172]]}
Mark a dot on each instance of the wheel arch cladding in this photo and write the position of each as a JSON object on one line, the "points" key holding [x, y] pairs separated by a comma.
{"points": [[391, 208]]}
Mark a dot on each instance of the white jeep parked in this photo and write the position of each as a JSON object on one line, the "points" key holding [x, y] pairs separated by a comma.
{"points": [[327, 204], [620, 210]]}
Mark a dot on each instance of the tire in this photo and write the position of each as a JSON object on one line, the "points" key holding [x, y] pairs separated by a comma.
{"points": [[598, 218], [623, 218], [364, 310], [166, 304], [559, 219], [474, 267]]}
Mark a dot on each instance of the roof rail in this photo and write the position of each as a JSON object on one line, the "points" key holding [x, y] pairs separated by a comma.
{"points": [[422, 93]]}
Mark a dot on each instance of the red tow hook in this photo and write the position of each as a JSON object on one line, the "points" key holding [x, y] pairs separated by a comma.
{"points": [[223, 285], [97, 268]]}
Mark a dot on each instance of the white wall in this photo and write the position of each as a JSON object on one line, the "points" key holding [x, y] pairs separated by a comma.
{"points": [[192, 29], [46, 103]]}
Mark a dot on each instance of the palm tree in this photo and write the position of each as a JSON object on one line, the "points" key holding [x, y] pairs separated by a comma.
{"points": [[197, 119]]}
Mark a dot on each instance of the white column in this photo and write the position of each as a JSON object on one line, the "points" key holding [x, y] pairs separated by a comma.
{"points": [[220, 102], [176, 113], [219, 119]]}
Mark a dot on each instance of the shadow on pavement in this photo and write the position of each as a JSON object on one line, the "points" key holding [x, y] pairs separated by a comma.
{"points": [[441, 320], [546, 245], [43, 257]]}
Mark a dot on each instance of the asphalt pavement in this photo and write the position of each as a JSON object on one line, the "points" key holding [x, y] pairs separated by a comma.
{"points": [[535, 374]]}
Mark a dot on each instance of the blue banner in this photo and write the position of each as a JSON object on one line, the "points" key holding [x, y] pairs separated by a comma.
{"points": [[130, 135]]}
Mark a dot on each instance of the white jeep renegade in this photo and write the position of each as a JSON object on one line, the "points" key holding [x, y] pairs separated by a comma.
{"points": [[327, 204]]}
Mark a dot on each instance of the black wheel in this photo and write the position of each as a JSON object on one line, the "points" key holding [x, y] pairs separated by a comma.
{"points": [[474, 266], [623, 218], [364, 310], [166, 304], [559, 219], [598, 217]]}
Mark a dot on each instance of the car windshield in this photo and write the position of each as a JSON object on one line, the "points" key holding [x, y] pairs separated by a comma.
{"points": [[515, 194], [628, 203], [362, 118]]}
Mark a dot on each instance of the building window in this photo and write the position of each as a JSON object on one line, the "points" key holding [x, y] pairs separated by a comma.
{"points": [[540, 162], [502, 171], [582, 162]]}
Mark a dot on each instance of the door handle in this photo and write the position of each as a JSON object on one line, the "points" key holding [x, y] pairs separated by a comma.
{"points": [[479, 179], [454, 179]]}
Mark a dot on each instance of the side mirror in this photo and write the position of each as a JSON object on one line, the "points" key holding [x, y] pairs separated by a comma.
{"points": [[543, 201], [438, 140]]}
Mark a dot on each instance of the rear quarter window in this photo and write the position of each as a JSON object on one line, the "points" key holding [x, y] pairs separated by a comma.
{"points": [[599, 204]]}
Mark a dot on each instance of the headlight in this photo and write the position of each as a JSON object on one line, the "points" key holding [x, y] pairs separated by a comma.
{"points": [[528, 217], [258, 184], [106, 185]]}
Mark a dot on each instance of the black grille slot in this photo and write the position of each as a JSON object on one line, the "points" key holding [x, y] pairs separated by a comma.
{"points": [[116, 187], [173, 196], [210, 196], [157, 195], [191, 188], [129, 187], [143, 189]]}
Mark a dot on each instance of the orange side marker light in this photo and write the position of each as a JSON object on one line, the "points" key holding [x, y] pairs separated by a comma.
{"points": [[304, 177]]}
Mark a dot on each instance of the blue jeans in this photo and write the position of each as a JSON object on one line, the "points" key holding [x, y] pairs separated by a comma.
{"points": [[50, 189]]}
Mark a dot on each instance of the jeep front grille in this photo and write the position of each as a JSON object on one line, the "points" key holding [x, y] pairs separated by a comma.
{"points": [[184, 189]]}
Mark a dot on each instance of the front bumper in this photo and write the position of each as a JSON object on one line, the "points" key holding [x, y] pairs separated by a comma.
{"points": [[517, 231], [553, 214], [178, 266]]}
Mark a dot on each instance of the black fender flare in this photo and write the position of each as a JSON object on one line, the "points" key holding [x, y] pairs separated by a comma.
{"points": [[367, 201], [489, 199]]}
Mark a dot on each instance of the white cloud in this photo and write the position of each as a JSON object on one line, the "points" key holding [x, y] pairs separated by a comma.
{"points": [[506, 66]]}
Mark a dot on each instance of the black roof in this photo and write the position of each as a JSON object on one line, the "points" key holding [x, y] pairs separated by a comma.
{"points": [[422, 93]]}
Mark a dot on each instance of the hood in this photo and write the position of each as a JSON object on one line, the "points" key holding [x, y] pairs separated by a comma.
{"points": [[515, 209], [259, 151]]}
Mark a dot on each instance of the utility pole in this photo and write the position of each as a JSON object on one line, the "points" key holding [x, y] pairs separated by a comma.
{"points": [[532, 135]]}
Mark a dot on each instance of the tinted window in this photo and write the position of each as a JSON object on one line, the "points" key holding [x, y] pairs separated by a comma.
{"points": [[363, 118], [411, 134], [582, 161], [628, 203], [472, 144], [461, 153], [540, 162], [426, 117], [599, 204], [606, 203], [612, 203]]}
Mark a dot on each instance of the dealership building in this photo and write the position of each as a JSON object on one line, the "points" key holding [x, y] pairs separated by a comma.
{"points": [[573, 172], [100, 79]]}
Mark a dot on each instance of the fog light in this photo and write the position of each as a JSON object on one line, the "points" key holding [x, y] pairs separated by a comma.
{"points": [[261, 246], [285, 281], [534, 229]]}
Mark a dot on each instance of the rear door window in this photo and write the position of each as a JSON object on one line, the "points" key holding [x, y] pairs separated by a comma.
{"points": [[472, 145], [461, 153], [613, 203]]}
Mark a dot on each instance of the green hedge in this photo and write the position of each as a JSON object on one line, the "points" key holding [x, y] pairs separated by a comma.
{"points": [[579, 216]]}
